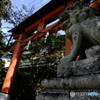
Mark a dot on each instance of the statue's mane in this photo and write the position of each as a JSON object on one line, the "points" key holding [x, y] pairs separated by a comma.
{"points": [[77, 13]]}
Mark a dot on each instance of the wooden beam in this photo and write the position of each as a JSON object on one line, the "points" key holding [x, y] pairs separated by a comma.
{"points": [[55, 13], [14, 46], [39, 35], [52, 15], [40, 28], [41, 25], [32, 27], [42, 34], [15, 36], [68, 45], [55, 29], [96, 5], [29, 29], [10, 76]]}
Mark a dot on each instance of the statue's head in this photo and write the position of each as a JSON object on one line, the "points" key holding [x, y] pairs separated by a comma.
{"points": [[77, 13]]}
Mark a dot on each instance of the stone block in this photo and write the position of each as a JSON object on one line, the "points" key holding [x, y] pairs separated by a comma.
{"points": [[79, 82], [80, 67], [93, 51], [53, 95], [69, 95], [4, 96]]}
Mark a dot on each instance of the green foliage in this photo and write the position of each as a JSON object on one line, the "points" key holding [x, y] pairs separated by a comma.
{"points": [[37, 46], [51, 42], [56, 42], [18, 16], [2, 72], [54, 47], [5, 6], [2, 44]]}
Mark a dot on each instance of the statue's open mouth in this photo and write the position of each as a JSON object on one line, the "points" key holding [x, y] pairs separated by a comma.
{"points": [[64, 16]]}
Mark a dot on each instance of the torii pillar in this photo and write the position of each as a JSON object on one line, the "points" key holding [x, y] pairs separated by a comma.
{"points": [[9, 79]]}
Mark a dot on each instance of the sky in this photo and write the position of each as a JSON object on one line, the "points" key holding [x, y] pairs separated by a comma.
{"points": [[28, 3]]}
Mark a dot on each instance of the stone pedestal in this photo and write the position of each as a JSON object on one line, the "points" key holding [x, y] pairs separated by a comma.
{"points": [[4, 96], [76, 80]]}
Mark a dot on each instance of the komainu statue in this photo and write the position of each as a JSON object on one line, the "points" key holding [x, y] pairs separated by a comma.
{"points": [[81, 24]]}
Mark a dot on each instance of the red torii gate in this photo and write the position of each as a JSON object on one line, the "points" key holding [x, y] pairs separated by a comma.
{"points": [[23, 30]]}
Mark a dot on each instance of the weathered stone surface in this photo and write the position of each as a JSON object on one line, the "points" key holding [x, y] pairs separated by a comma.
{"points": [[80, 67], [53, 95], [80, 23], [79, 82], [68, 95], [4, 96], [93, 51]]}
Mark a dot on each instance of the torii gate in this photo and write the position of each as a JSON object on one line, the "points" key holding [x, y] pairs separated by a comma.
{"points": [[37, 21]]}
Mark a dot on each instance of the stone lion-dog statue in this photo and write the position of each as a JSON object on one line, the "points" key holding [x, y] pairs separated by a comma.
{"points": [[81, 24]]}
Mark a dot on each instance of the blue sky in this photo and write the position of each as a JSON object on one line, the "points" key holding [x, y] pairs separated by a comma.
{"points": [[37, 3], [28, 3]]}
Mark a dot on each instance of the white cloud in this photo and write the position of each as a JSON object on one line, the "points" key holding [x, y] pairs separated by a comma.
{"points": [[4, 30]]}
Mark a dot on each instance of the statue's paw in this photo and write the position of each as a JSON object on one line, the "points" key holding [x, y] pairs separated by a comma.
{"points": [[65, 59], [62, 60]]}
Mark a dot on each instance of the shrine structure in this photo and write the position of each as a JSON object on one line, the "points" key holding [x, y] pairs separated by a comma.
{"points": [[37, 22]]}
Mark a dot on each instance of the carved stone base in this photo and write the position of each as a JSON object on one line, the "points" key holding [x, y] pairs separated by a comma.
{"points": [[76, 80], [73, 88]]}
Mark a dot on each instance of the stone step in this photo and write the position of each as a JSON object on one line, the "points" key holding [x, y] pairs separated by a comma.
{"points": [[68, 95], [75, 82], [53, 95], [4, 96]]}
